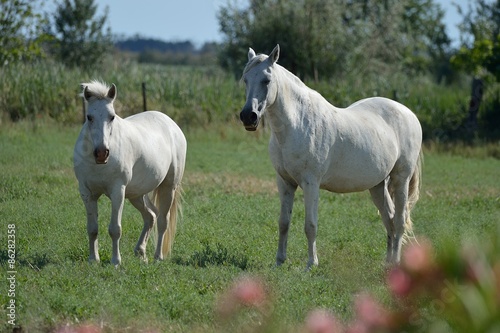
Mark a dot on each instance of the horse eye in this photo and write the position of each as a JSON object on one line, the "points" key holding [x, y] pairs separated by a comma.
{"points": [[90, 118], [266, 82], [112, 118]]}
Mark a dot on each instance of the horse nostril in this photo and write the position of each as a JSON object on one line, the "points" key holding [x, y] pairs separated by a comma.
{"points": [[249, 117], [253, 117], [101, 155]]}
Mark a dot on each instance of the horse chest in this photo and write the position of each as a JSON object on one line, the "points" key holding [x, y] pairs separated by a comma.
{"points": [[295, 164], [103, 178]]}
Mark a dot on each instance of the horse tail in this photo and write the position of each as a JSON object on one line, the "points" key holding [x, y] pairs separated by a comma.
{"points": [[174, 213], [413, 195]]}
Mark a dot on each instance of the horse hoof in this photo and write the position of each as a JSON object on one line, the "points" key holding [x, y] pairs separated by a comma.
{"points": [[116, 262], [311, 265], [141, 254]]}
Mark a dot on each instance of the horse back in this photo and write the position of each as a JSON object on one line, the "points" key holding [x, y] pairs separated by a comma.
{"points": [[159, 142], [393, 113], [352, 149]]}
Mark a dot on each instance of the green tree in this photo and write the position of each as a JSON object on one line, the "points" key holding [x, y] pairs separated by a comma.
{"points": [[307, 30], [335, 37], [82, 39], [429, 49], [21, 34], [479, 53]]}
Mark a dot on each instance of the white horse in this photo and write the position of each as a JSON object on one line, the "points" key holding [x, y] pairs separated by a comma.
{"points": [[129, 158], [374, 144]]}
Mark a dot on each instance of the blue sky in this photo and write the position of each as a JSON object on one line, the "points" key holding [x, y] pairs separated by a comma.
{"points": [[169, 20], [194, 20]]}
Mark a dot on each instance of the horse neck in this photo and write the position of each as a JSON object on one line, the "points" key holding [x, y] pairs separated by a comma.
{"points": [[283, 109], [294, 106]]}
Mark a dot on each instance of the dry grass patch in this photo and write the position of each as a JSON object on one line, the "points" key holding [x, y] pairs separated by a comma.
{"points": [[231, 183]]}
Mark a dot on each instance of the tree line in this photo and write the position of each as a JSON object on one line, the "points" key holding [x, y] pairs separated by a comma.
{"points": [[321, 40], [334, 38]]}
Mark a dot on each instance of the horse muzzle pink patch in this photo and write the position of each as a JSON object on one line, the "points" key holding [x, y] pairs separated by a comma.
{"points": [[101, 155]]}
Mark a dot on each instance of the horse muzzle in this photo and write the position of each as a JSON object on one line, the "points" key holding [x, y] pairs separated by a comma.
{"points": [[101, 155], [250, 120]]}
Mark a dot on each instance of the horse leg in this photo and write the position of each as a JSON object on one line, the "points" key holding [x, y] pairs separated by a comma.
{"points": [[115, 226], [311, 201], [164, 201], [90, 203], [400, 213], [148, 212], [382, 200], [287, 194]]}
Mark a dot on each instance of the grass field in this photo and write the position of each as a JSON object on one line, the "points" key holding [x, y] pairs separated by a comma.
{"points": [[229, 230]]}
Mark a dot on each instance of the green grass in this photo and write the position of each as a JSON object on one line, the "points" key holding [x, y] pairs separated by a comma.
{"points": [[229, 230]]}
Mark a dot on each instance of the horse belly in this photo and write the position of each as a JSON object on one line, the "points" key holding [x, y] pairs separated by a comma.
{"points": [[344, 175], [146, 177], [348, 184]]}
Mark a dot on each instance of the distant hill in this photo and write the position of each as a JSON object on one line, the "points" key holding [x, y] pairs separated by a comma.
{"points": [[140, 44], [150, 50]]}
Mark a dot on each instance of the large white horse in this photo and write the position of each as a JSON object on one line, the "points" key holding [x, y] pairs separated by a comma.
{"points": [[374, 144], [129, 158]]}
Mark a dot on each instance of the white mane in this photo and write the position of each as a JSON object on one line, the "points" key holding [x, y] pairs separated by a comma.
{"points": [[259, 58], [96, 88]]}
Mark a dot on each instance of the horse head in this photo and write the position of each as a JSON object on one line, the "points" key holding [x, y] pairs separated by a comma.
{"points": [[100, 117], [261, 89]]}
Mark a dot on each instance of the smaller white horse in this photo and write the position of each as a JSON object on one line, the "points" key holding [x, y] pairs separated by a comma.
{"points": [[374, 144], [129, 158]]}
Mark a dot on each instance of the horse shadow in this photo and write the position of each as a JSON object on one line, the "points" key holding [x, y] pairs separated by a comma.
{"points": [[36, 261]]}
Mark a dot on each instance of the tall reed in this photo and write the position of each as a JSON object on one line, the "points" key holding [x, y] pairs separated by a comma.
{"points": [[196, 96]]}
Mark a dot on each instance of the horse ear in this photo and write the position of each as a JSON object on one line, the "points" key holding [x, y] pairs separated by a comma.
{"points": [[251, 54], [86, 93], [112, 92], [275, 54]]}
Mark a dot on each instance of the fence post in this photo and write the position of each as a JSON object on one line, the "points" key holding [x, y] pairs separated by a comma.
{"points": [[395, 95], [474, 103], [144, 105], [83, 109]]}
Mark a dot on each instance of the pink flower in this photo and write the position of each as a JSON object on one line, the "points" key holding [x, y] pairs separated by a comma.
{"points": [[418, 258], [399, 282], [249, 292], [371, 313], [321, 321], [246, 291]]}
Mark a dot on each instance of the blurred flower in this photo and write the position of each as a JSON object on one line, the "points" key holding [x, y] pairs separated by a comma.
{"points": [[370, 313], [322, 321], [418, 258], [399, 282], [248, 292]]}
